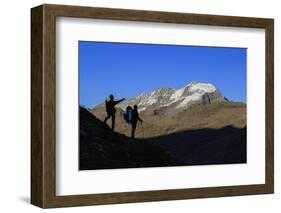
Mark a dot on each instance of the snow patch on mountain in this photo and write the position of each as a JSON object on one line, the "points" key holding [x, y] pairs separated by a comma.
{"points": [[201, 88], [189, 99], [177, 94], [193, 93]]}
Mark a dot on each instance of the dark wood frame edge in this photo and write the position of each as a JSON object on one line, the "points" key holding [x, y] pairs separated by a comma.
{"points": [[43, 102]]}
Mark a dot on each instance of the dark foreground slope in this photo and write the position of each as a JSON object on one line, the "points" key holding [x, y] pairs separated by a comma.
{"points": [[101, 148], [206, 146]]}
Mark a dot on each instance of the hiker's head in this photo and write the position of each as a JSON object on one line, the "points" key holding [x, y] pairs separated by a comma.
{"points": [[135, 107], [129, 108], [111, 97]]}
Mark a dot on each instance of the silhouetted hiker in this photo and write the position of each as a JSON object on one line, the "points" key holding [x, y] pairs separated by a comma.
{"points": [[132, 117], [110, 109], [135, 119]]}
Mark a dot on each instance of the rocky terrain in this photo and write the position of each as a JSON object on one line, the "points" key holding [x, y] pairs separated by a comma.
{"points": [[175, 100], [166, 110]]}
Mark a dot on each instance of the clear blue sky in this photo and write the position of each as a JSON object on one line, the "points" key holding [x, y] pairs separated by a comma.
{"points": [[126, 70]]}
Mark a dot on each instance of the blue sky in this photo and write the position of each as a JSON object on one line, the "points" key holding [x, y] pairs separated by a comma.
{"points": [[126, 70]]}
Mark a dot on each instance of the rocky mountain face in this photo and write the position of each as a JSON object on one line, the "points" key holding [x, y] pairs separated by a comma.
{"points": [[176, 99], [167, 110]]}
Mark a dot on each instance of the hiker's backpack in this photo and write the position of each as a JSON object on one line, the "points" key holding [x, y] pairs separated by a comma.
{"points": [[128, 116], [107, 107]]}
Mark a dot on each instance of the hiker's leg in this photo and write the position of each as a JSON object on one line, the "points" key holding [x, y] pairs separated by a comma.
{"points": [[113, 121], [133, 130], [107, 117]]}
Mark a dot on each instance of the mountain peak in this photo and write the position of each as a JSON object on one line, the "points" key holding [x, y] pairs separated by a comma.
{"points": [[200, 87], [177, 99]]}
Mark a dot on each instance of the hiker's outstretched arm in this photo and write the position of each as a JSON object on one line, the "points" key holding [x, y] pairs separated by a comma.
{"points": [[117, 102]]}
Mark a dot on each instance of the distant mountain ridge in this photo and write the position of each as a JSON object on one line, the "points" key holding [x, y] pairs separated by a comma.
{"points": [[178, 99], [167, 110]]}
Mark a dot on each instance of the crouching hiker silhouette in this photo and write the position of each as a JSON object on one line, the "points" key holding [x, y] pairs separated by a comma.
{"points": [[110, 109], [132, 117]]}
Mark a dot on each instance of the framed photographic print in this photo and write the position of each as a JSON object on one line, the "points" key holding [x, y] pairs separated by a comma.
{"points": [[136, 106]]}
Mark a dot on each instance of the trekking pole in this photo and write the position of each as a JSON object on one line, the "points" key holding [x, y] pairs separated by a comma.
{"points": [[142, 130]]}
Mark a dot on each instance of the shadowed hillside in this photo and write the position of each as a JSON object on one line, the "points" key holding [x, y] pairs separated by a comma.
{"points": [[101, 148], [206, 146]]}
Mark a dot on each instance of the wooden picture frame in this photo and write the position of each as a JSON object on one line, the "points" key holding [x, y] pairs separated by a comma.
{"points": [[43, 105]]}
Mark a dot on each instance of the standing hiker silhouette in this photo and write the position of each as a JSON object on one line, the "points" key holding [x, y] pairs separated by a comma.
{"points": [[110, 109], [132, 117], [134, 120]]}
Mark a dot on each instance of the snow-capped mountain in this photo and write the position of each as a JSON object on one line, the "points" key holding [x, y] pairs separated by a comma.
{"points": [[166, 111], [176, 99]]}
